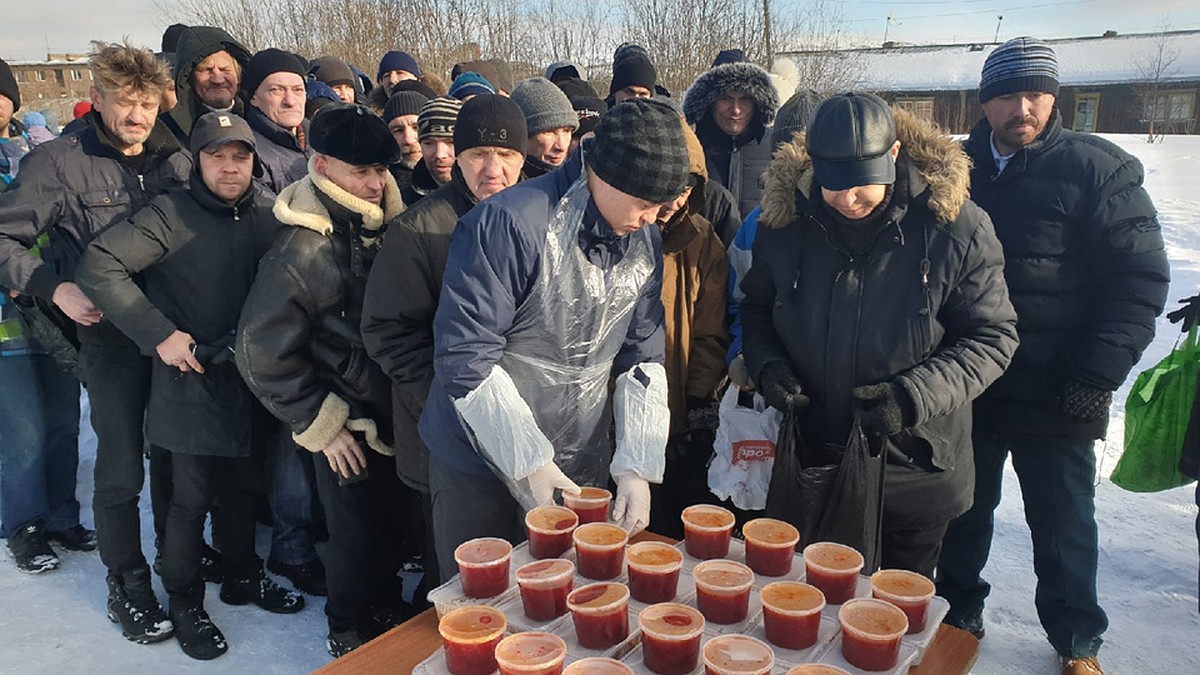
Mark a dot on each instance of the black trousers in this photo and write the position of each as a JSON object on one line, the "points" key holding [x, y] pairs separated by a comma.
{"points": [[467, 507], [913, 550], [363, 554], [198, 480], [117, 376]]}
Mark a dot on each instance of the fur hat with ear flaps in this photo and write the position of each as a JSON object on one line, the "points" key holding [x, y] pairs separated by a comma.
{"points": [[937, 159]]}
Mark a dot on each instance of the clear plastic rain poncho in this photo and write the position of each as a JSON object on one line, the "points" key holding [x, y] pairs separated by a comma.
{"points": [[547, 397]]}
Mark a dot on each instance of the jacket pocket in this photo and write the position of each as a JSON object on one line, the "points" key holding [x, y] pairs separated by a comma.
{"points": [[102, 208], [198, 414]]}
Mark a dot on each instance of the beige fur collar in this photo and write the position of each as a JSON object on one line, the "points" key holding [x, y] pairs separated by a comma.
{"points": [[299, 206], [939, 160]]}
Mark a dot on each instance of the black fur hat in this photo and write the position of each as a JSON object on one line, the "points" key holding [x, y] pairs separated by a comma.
{"points": [[353, 134]]}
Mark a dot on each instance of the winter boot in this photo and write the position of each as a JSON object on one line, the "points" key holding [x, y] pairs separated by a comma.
{"points": [[340, 644], [210, 565], [30, 551], [198, 636], [132, 604], [74, 538], [307, 578], [382, 618], [262, 591]]}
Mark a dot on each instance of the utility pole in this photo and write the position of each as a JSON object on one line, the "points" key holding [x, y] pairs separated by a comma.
{"points": [[767, 34], [999, 18]]}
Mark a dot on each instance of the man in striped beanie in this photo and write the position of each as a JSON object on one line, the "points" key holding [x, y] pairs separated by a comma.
{"points": [[1070, 211], [435, 129]]}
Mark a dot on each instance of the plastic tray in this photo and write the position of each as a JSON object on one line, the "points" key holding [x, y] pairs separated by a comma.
{"points": [[436, 664], [833, 656], [861, 590], [514, 611], [566, 630], [450, 595], [634, 660], [830, 628], [938, 608]]}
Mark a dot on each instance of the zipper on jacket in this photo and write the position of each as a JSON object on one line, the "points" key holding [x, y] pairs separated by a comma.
{"points": [[235, 213], [141, 182]]}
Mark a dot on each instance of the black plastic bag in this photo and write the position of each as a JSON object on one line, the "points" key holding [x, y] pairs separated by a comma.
{"points": [[53, 330], [831, 493]]}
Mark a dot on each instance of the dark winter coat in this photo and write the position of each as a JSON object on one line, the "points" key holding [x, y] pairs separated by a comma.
{"points": [[197, 257], [196, 44], [925, 309], [284, 155], [401, 299], [493, 265], [421, 185], [721, 211], [299, 345], [1085, 266], [736, 163], [72, 189]]}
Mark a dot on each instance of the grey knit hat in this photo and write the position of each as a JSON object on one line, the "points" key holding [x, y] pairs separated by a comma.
{"points": [[545, 106], [639, 149], [1021, 64], [793, 116]]}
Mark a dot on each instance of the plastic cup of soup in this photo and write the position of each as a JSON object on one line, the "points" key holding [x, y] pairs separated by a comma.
{"points": [[792, 614], [600, 550], [591, 504], [706, 531], [671, 638], [601, 614], [816, 669], [483, 566], [834, 569], [871, 632], [531, 654], [470, 635], [598, 666], [909, 591], [770, 546], [549, 529], [738, 655], [653, 571], [723, 590], [545, 585]]}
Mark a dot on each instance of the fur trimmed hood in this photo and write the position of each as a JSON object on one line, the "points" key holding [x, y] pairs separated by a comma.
{"points": [[937, 159], [742, 76], [299, 206]]}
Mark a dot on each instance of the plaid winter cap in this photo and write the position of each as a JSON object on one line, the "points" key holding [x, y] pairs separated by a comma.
{"points": [[1021, 64], [640, 150]]}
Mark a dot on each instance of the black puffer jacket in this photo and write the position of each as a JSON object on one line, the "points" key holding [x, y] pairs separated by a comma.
{"points": [[1085, 266], [402, 297], [925, 309], [284, 155], [176, 243], [196, 44], [299, 346]]}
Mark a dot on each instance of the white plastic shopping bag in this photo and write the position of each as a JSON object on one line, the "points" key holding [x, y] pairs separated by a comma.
{"points": [[745, 451]]}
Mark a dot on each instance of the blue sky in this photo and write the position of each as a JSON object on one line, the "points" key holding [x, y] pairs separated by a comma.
{"points": [[31, 25]]}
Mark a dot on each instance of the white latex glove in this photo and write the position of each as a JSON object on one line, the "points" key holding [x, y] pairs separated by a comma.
{"points": [[544, 480], [631, 510]]}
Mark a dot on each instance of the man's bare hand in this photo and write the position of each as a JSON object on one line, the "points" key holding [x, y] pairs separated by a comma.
{"points": [[76, 305], [176, 351], [345, 457]]}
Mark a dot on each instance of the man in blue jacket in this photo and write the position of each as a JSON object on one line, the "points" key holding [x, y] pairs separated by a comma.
{"points": [[553, 287]]}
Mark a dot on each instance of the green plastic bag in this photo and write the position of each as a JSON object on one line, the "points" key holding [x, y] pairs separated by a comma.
{"points": [[1156, 419]]}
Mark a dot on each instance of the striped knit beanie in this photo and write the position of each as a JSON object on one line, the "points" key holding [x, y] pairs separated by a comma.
{"points": [[437, 117], [1021, 64]]}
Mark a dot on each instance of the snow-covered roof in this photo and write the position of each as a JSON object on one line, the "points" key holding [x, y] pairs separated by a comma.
{"points": [[1081, 62]]}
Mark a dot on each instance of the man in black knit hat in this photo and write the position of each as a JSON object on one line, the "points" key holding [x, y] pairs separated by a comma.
{"points": [[400, 113], [275, 94], [299, 330]]}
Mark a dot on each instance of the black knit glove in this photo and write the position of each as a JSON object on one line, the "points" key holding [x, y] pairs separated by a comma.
{"points": [[1186, 316], [1084, 402], [780, 388], [882, 409]]}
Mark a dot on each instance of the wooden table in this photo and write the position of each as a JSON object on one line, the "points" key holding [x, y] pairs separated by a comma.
{"points": [[398, 651]]}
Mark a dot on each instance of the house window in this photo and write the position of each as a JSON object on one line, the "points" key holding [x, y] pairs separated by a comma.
{"points": [[76, 74], [1086, 109], [920, 107], [1171, 106], [22, 76], [39, 75]]}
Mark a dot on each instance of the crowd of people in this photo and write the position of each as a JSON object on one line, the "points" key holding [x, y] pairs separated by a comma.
{"points": [[388, 315]]}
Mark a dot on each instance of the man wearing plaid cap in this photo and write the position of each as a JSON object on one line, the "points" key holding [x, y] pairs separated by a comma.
{"points": [[552, 287]]}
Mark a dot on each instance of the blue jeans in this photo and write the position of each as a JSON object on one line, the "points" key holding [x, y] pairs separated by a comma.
{"points": [[39, 444], [1057, 483], [290, 488]]}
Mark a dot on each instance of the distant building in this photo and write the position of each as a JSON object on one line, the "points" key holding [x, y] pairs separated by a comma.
{"points": [[55, 84], [1113, 83]]}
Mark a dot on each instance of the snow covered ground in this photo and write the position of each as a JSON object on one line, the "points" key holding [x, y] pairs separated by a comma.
{"points": [[56, 623]]}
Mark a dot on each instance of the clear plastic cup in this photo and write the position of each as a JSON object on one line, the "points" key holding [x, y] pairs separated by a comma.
{"points": [[549, 529], [531, 654], [816, 669], [909, 591], [653, 571], [545, 585], [600, 550], [671, 638], [591, 504], [600, 613], [723, 590], [598, 666], [483, 565], [738, 655], [834, 569], [792, 614], [770, 546], [707, 530], [470, 635], [871, 632]]}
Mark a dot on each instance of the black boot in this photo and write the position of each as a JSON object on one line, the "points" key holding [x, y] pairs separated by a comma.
{"points": [[74, 538], [340, 644], [198, 636], [131, 603], [307, 578], [262, 591], [30, 551]]}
